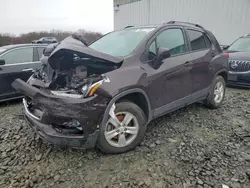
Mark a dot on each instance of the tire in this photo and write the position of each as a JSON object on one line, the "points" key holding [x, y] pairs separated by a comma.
{"points": [[211, 101], [139, 120]]}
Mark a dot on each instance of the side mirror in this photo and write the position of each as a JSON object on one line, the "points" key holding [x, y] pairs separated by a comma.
{"points": [[225, 47], [162, 53], [2, 62]]}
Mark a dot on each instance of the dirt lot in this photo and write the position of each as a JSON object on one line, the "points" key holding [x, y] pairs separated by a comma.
{"points": [[193, 147]]}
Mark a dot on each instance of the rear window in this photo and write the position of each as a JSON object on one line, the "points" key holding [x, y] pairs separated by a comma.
{"points": [[241, 45], [198, 40], [40, 52]]}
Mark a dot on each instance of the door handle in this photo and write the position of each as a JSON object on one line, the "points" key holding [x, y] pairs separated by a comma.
{"points": [[26, 70], [187, 64]]}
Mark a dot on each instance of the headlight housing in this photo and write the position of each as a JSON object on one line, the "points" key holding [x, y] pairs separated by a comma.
{"points": [[89, 90]]}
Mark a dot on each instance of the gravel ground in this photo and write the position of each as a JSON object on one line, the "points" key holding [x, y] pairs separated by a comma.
{"points": [[193, 147]]}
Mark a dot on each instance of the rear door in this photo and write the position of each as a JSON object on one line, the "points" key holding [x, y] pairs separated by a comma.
{"points": [[202, 54], [19, 63]]}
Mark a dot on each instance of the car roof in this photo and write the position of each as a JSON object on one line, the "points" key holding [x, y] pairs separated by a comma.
{"points": [[246, 35], [7, 47], [170, 23], [184, 24]]}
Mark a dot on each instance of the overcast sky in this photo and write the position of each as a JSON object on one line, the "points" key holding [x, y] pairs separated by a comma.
{"points": [[21, 16]]}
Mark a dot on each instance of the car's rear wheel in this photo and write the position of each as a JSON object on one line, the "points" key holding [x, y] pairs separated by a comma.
{"points": [[217, 94], [124, 129]]}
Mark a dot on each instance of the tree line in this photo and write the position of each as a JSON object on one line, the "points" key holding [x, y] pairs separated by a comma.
{"points": [[7, 39]]}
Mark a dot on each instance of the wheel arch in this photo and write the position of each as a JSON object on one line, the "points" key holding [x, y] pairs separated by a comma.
{"points": [[127, 95], [223, 73]]}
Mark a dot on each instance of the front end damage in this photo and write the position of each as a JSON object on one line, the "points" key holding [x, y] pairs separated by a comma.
{"points": [[64, 101]]}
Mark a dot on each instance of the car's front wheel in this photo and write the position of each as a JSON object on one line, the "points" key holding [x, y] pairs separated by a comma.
{"points": [[217, 94], [124, 129]]}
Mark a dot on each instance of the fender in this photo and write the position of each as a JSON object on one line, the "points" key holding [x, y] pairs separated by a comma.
{"points": [[122, 94], [220, 71]]}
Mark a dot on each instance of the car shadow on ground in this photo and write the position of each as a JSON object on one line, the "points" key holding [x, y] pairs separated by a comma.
{"points": [[10, 103], [238, 88], [152, 126]]}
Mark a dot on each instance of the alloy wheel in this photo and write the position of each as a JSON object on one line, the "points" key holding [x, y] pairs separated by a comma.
{"points": [[218, 92], [121, 130]]}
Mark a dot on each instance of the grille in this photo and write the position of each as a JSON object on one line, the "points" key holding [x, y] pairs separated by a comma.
{"points": [[239, 66]]}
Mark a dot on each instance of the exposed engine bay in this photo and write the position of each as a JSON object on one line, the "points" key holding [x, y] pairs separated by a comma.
{"points": [[76, 79], [70, 73]]}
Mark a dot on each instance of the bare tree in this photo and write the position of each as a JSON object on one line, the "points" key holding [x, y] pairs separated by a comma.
{"points": [[7, 39]]}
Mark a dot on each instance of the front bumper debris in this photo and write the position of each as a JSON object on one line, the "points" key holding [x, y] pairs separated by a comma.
{"points": [[54, 118]]}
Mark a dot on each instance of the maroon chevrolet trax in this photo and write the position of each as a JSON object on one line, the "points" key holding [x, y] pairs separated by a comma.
{"points": [[105, 94]]}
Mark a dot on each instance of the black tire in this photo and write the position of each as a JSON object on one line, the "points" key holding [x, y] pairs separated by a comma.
{"points": [[210, 101], [124, 106]]}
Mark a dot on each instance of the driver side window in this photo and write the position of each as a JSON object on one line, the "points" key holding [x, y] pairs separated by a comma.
{"points": [[21, 55], [171, 39]]}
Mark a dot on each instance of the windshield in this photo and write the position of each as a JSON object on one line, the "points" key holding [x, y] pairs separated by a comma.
{"points": [[241, 45], [121, 43], [2, 50]]}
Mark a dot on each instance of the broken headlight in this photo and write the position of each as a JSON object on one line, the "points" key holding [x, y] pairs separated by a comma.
{"points": [[84, 90], [89, 90]]}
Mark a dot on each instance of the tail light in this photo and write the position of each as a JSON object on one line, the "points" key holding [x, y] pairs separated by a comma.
{"points": [[227, 55]]}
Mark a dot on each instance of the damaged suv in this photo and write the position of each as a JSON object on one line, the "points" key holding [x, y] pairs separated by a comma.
{"points": [[106, 93]]}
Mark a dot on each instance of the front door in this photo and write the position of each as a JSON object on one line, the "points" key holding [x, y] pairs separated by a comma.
{"points": [[202, 54], [19, 63], [170, 85]]}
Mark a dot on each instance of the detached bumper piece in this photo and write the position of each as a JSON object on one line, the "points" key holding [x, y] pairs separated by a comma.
{"points": [[66, 122]]}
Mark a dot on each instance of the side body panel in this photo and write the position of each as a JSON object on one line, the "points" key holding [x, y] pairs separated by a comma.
{"points": [[10, 72], [169, 83]]}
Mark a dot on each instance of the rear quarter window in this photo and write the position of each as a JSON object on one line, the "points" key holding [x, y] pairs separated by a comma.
{"points": [[198, 40], [40, 52]]}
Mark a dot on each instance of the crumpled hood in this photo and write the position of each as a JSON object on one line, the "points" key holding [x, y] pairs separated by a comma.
{"points": [[73, 46], [239, 55]]}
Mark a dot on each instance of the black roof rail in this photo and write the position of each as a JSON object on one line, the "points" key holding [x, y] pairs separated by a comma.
{"points": [[128, 26], [196, 25], [246, 35]]}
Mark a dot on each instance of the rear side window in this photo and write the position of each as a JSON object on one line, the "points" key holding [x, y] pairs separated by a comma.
{"points": [[198, 40], [22, 55], [40, 52]]}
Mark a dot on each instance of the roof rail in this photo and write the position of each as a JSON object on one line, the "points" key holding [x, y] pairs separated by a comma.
{"points": [[128, 26], [196, 25]]}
